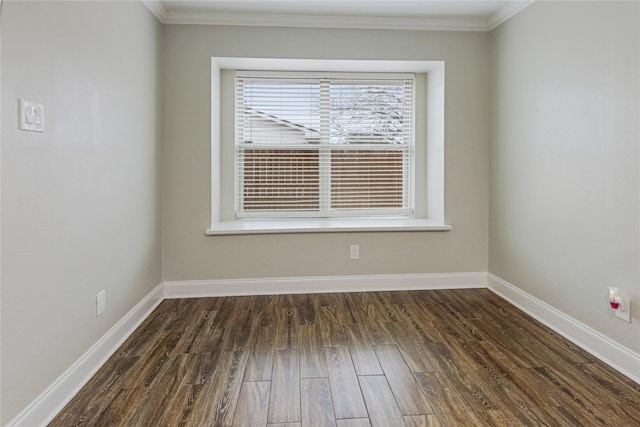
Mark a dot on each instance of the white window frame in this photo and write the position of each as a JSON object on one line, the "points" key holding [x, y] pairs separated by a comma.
{"points": [[429, 174]]}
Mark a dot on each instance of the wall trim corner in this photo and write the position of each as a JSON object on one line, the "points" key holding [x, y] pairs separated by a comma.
{"points": [[622, 359], [51, 401]]}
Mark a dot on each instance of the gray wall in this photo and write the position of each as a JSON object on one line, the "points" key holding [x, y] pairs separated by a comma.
{"points": [[186, 211], [80, 202], [564, 158]]}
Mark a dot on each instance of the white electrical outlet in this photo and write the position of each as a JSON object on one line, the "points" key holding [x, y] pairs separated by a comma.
{"points": [[101, 302], [354, 252], [624, 312]]}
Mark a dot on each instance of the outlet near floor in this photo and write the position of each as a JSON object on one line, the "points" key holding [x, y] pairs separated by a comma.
{"points": [[624, 312], [354, 252]]}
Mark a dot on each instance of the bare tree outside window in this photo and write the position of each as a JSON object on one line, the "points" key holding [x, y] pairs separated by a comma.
{"points": [[367, 114]]}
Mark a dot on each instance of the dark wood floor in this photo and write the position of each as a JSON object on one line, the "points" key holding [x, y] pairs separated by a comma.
{"points": [[419, 358]]}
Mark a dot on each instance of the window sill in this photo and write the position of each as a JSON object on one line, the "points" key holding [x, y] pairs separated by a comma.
{"points": [[323, 226]]}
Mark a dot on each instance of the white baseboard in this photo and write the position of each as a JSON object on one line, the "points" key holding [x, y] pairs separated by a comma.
{"points": [[47, 405], [329, 284], [59, 393], [613, 354]]}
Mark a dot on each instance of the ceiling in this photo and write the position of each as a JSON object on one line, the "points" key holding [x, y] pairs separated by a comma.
{"points": [[460, 15]]}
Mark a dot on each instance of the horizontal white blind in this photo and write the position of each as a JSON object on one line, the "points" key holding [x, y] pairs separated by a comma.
{"points": [[314, 146]]}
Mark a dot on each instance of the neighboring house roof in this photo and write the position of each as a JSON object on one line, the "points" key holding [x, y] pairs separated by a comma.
{"points": [[310, 134]]}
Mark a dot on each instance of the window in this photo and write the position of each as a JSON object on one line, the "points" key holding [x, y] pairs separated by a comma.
{"points": [[334, 188], [324, 145]]}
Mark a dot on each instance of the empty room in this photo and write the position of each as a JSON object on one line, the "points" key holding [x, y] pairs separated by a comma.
{"points": [[320, 213]]}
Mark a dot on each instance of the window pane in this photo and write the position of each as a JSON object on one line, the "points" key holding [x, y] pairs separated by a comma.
{"points": [[367, 179], [280, 180], [369, 112], [280, 111]]}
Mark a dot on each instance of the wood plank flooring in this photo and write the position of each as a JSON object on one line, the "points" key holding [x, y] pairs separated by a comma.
{"points": [[417, 358]]}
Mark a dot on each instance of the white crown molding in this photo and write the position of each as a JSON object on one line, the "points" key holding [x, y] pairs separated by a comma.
{"points": [[166, 16], [612, 353], [157, 8], [329, 284], [324, 21], [506, 12], [51, 401]]}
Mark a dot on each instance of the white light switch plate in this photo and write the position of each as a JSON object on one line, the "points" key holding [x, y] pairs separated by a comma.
{"points": [[31, 116]]}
